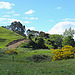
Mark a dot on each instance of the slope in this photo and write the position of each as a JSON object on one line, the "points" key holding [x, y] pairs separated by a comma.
{"points": [[7, 36]]}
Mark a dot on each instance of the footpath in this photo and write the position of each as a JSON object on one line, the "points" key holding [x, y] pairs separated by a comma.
{"points": [[15, 44]]}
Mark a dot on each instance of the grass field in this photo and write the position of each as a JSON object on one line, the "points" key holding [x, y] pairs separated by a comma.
{"points": [[30, 62], [24, 66], [7, 36]]}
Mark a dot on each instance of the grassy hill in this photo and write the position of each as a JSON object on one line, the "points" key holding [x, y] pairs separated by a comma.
{"points": [[7, 36], [24, 64]]}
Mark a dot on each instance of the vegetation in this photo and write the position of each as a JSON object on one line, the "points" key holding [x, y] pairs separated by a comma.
{"points": [[35, 62], [43, 54], [7, 36], [69, 32], [12, 51], [66, 52], [68, 41]]}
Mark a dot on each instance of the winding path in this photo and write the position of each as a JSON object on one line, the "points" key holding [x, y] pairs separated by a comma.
{"points": [[15, 45]]}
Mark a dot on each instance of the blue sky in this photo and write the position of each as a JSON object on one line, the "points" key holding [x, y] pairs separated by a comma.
{"points": [[52, 16]]}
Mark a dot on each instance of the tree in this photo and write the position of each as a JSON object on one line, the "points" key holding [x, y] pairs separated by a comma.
{"points": [[68, 41], [17, 27], [28, 31], [57, 39], [40, 42], [36, 33], [30, 36], [69, 32], [43, 34]]}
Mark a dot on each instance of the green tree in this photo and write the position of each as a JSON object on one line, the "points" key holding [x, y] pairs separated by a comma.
{"points": [[69, 32], [30, 36], [57, 39], [17, 27], [40, 42], [68, 41], [41, 34]]}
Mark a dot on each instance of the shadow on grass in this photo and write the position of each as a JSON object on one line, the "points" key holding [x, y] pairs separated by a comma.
{"points": [[2, 40]]}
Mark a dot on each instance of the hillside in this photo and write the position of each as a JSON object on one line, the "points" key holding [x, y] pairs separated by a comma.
{"points": [[7, 36]]}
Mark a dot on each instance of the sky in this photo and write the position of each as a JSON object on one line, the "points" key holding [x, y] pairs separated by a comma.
{"points": [[51, 16]]}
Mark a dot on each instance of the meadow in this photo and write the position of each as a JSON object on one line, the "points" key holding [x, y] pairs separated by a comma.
{"points": [[24, 64], [7, 36], [26, 61]]}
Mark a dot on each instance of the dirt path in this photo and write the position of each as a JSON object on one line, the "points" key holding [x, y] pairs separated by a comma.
{"points": [[15, 45]]}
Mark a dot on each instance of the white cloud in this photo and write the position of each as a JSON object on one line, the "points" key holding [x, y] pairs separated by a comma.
{"points": [[1, 19], [33, 18], [6, 16], [8, 20], [16, 15], [26, 22], [12, 20], [31, 28], [6, 5], [30, 12], [36, 18], [58, 7], [11, 12], [68, 19], [26, 18], [60, 27], [51, 20]]}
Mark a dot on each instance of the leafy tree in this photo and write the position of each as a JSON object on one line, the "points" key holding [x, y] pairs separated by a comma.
{"points": [[40, 42], [28, 31], [57, 39], [17, 27], [50, 44], [68, 41], [41, 34], [69, 32], [30, 36], [36, 33]]}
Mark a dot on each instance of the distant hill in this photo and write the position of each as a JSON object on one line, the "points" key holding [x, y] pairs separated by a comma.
{"points": [[7, 36]]}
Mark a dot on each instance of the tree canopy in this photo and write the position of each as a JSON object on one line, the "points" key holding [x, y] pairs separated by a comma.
{"points": [[69, 32], [17, 27]]}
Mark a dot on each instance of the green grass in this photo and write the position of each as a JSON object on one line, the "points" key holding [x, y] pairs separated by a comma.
{"points": [[7, 36], [23, 66]]}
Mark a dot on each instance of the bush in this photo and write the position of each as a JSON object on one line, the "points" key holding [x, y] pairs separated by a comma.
{"points": [[12, 51], [24, 45], [49, 46], [38, 58], [66, 52], [2, 53]]}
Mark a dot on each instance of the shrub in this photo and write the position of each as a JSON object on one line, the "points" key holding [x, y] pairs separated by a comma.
{"points": [[12, 51], [38, 57], [49, 46], [2, 53], [66, 52]]}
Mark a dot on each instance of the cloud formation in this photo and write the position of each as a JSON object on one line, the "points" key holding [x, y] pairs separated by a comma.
{"points": [[30, 12], [33, 18], [8, 20], [6, 16], [68, 19], [58, 7], [6, 5], [26, 22], [51, 20], [60, 27], [16, 15]]}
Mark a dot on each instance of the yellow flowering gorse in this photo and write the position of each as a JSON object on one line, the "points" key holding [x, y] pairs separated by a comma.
{"points": [[65, 53], [12, 51]]}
